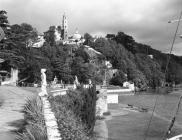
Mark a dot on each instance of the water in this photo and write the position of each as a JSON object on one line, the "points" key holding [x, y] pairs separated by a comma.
{"points": [[167, 101]]}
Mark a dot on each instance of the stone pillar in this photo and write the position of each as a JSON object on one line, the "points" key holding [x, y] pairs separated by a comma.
{"points": [[14, 76], [13, 79], [101, 104]]}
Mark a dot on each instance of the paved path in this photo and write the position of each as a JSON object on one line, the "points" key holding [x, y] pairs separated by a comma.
{"points": [[14, 99]]}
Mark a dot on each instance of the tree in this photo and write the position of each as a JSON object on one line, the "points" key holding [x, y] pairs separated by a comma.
{"points": [[151, 69], [119, 79], [11, 57], [88, 39], [3, 19], [110, 36], [125, 40], [49, 36], [82, 70], [4, 24], [81, 52]]}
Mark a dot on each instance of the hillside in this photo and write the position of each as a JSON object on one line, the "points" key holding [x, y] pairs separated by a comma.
{"points": [[142, 64], [133, 61]]}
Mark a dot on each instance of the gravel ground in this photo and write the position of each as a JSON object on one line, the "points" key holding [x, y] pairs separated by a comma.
{"points": [[10, 112]]}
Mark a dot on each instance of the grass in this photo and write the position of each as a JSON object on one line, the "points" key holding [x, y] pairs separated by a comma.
{"points": [[31, 89]]}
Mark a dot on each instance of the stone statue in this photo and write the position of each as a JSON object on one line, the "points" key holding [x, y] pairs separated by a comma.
{"points": [[76, 82], [89, 82], [43, 83], [104, 83], [55, 80]]}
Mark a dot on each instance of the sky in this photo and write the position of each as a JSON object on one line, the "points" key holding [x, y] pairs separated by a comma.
{"points": [[145, 20]]}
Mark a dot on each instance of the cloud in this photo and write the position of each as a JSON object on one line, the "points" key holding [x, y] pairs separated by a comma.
{"points": [[145, 20]]}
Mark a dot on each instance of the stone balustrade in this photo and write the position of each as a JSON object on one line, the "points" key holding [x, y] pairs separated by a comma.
{"points": [[50, 121]]}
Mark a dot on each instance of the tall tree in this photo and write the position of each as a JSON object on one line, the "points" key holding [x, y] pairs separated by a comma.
{"points": [[50, 36], [88, 39]]}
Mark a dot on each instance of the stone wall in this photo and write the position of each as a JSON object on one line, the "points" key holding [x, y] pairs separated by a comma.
{"points": [[13, 79]]}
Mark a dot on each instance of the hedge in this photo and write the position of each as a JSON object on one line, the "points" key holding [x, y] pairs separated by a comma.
{"points": [[75, 113]]}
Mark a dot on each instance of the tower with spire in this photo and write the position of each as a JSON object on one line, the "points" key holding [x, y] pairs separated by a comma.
{"points": [[64, 32]]}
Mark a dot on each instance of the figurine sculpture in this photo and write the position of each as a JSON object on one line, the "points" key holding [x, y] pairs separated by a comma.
{"points": [[76, 83], [43, 83], [89, 82], [55, 80]]}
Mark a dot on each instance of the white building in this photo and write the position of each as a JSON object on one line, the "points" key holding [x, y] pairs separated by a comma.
{"points": [[76, 38], [39, 43], [61, 35]]}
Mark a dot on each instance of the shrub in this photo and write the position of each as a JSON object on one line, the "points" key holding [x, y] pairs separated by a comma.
{"points": [[70, 126], [118, 79], [75, 113], [100, 117], [34, 127], [89, 107]]}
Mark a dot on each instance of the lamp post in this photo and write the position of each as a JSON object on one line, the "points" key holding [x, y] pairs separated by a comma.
{"points": [[172, 45], [173, 120]]}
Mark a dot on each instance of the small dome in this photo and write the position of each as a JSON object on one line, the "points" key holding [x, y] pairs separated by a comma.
{"points": [[77, 36]]}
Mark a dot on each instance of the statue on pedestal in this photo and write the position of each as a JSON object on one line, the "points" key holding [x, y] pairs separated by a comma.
{"points": [[76, 82], [43, 83], [54, 82], [89, 82], [104, 83]]}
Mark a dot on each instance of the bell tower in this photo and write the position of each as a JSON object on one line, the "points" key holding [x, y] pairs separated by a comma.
{"points": [[64, 28]]}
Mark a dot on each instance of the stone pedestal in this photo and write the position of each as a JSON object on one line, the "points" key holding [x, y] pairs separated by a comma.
{"points": [[101, 104], [112, 99], [13, 79]]}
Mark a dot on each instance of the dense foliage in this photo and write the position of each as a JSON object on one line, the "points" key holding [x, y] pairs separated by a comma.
{"points": [[66, 61], [138, 67], [142, 64], [75, 113], [63, 61]]}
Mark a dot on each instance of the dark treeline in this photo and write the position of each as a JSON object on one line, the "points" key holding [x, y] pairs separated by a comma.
{"points": [[66, 61], [60, 60], [143, 65]]}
